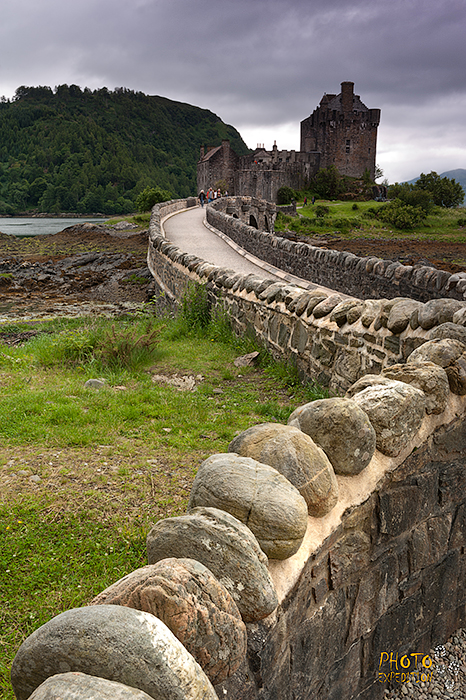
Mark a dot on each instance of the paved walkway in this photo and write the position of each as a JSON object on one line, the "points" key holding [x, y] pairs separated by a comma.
{"points": [[192, 234]]}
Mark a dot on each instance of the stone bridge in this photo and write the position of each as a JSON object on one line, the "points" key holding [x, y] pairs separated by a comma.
{"points": [[334, 548], [251, 211], [385, 570]]}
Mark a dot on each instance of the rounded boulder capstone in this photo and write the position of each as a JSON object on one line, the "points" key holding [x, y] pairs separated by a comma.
{"points": [[257, 495], [448, 353], [296, 456], [80, 686], [115, 643], [225, 546], [426, 376], [395, 410], [200, 612], [342, 429]]}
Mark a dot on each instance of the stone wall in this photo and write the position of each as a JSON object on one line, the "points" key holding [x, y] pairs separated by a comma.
{"points": [[390, 576], [364, 278], [331, 338]]}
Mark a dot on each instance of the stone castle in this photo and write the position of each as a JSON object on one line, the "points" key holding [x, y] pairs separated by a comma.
{"points": [[341, 131]]}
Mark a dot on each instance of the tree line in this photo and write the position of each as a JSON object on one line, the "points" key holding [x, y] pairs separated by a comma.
{"points": [[83, 151]]}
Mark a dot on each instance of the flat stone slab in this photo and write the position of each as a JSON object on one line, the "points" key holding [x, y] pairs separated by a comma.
{"points": [[296, 456], [225, 546], [115, 643], [256, 494], [200, 612]]}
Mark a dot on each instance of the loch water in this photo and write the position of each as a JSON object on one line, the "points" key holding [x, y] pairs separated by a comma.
{"points": [[32, 226]]}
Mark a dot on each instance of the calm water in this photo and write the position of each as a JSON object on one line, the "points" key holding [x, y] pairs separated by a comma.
{"points": [[34, 227]]}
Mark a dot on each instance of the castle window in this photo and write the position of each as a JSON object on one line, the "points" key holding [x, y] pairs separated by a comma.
{"points": [[348, 144]]}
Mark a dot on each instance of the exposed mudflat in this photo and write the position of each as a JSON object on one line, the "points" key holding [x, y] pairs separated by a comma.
{"points": [[86, 268]]}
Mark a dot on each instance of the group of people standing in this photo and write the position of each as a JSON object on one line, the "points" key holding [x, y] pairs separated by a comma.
{"points": [[210, 195]]}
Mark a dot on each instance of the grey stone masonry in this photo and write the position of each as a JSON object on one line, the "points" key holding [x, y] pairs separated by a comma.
{"points": [[332, 339], [345, 272]]}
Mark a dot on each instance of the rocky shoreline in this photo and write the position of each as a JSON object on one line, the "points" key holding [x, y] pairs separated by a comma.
{"points": [[86, 268]]}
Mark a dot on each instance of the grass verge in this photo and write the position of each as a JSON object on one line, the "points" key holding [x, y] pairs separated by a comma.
{"points": [[85, 473], [359, 220]]}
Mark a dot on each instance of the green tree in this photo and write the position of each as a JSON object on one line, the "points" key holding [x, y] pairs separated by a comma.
{"points": [[414, 196], [285, 195], [328, 183], [150, 196], [445, 192]]}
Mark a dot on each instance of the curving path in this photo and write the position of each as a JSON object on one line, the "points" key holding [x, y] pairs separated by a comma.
{"points": [[190, 231]]}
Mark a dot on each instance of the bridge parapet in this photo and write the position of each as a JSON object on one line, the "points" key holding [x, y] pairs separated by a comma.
{"points": [[383, 574]]}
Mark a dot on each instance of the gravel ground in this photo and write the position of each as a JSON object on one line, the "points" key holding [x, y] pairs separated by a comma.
{"points": [[446, 677]]}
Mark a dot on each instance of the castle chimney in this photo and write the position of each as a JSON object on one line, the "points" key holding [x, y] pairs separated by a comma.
{"points": [[202, 152], [347, 91]]}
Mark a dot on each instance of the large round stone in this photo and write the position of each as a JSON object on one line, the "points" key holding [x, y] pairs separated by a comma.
{"points": [[365, 381], [449, 330], [200, 612], [437, 311], [442, 352], [396, 411], [459, 317], [80, 686], [295, 455], [341, 428], [400, 314], [256, 494], [112, 642], [426, 376], [226, 547], [449, 354]]}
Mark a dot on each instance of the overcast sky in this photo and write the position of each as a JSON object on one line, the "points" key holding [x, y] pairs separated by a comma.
{"points": [[262, 65]]}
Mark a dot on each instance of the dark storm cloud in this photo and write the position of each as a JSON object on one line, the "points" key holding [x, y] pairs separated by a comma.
{"points": [[262, 65]]}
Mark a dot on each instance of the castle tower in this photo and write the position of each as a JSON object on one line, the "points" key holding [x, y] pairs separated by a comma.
{"points": [[344, 131]]}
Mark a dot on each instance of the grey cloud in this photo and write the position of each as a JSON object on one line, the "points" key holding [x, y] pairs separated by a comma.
{"points": [[257, 62]]}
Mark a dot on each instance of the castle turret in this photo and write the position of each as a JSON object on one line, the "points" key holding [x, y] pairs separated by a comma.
{"points": [[343, 131], [347, 94]]}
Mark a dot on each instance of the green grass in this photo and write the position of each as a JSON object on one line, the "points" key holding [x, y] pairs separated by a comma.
{"points": [[141, 220], [85, 473], [349, 222]]}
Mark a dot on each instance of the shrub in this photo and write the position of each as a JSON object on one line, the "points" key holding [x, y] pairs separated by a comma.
{"points": [[400, 215], [285, 195], [343, 224], [322, 210], [409, 194]]}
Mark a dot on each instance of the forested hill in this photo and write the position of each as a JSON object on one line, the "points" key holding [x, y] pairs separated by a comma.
{"points": [[74, 150]]}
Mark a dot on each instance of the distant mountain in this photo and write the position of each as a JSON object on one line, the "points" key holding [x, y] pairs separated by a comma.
{"points": [[459, 175], [74, 150]]}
